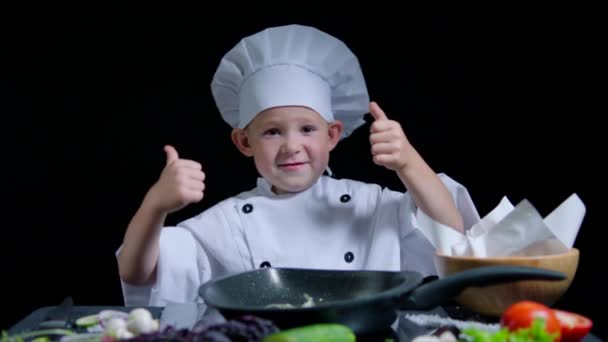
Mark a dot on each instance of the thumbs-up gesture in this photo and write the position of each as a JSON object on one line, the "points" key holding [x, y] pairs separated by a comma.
{"points": [[389, 145], [180, 183]]}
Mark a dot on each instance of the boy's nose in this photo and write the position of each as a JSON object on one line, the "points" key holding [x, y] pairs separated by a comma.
{"points": [[291, 145]]}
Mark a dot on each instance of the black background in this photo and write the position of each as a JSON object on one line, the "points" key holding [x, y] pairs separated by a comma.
{"points": [[503, 99]]}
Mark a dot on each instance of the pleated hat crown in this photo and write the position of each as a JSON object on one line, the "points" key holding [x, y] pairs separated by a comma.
{"points": [[291, 65]]}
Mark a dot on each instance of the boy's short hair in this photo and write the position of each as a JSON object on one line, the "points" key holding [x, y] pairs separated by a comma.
{"points": [[291, 65]]}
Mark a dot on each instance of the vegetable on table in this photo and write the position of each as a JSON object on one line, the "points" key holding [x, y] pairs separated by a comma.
{"points": [[524, 313], [87, 321], [574, 327], [322, 332], [536, 332], [39, 335], [528, 321]]}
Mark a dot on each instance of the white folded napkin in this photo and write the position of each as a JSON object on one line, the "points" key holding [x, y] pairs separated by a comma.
{"points": [[509, 231]]}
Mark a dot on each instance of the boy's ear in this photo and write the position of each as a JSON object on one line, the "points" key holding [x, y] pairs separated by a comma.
{"points": [[241, 141], [335, 133]]}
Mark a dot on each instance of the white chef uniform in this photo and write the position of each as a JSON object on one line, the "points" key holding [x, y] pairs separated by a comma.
{"points": [[335, 224]]}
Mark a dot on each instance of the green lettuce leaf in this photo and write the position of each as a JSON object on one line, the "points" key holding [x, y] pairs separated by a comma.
{"points": [[535, 333]]}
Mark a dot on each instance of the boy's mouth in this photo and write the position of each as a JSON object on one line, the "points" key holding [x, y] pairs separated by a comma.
{"points": [[291, 166]]}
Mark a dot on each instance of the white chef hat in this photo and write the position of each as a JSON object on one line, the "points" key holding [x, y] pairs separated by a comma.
{"points": [[291, 65]]}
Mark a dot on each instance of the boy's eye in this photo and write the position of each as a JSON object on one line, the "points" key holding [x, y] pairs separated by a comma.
{"points": [[272, 131], [308, 129]]}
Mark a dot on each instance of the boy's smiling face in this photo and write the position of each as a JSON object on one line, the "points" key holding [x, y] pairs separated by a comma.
{"points": [[290, 146]]}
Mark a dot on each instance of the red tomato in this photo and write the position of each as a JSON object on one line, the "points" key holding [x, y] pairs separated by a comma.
{"points": [[574, 326], [522, 314]]}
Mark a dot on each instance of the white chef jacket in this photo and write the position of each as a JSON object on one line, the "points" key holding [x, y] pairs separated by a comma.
{"points": [[335, 224]]}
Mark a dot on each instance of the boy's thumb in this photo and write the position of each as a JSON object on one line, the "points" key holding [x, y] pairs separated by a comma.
{"points": [[171, 154], [376, 112]]}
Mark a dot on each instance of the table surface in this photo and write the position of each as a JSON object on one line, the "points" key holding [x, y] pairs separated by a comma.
{"points": [[186, 315]]}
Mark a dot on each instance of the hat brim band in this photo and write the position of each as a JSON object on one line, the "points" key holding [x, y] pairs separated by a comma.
{"points": [[283, 85]]}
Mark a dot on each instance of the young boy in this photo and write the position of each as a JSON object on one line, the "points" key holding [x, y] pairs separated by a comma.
{"points": [[291, 93]]}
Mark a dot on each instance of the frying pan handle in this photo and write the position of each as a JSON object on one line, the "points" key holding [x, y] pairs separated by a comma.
{"points": [[437, 292]]}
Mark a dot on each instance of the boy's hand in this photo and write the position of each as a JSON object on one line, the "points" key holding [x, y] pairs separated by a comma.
{"points": [[389, 144], [181, 183]]}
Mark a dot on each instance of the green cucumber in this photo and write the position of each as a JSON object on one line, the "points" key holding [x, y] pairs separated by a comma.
{"points": [[87, 321], [42, 339], [322, 332], [39, 334]]}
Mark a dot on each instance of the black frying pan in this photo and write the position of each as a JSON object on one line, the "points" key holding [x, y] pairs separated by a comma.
{"points": [[366, 301]]}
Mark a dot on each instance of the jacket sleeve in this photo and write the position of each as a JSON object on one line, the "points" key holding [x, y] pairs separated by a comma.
{"points": [[177, 274], [419, 241]]}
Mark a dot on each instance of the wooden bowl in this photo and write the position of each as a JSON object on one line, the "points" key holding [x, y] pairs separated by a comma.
{"points": [[493, 300]]}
